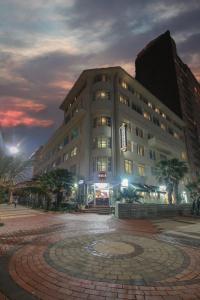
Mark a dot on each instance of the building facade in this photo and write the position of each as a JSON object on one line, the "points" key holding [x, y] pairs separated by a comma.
{"points": [[161, 71], [114, 132]]}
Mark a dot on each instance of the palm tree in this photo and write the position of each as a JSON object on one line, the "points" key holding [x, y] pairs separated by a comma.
{"points": [[12, 171], [170, 172]]}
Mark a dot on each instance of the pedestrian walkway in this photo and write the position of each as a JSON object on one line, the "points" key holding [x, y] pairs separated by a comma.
{"points": [[97, 257], [8, 211]]}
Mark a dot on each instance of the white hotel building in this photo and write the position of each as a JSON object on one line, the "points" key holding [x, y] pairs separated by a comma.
{"points": [[113, 129]]}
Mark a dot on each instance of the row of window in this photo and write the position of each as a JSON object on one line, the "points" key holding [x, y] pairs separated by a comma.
{"points": [[73, 134], [104, 164], [150, 117], [106, 121], [102, 142], [126, 86]]}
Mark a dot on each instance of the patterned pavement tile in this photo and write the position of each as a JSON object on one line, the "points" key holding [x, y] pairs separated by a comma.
{"points": [[57, 256]]}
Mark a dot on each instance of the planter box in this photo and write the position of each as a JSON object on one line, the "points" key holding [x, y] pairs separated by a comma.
{"points": [[137, 211]]}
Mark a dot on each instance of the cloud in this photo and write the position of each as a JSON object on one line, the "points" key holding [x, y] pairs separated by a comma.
{"points": [[13, 118], [20, 103]]}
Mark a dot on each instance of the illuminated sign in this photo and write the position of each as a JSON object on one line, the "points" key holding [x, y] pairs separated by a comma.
{"points": [[123, 137]]}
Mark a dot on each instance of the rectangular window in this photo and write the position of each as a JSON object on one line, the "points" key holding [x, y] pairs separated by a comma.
{"points": [[65, 156], [140, 150], [128, 166], [66, 140], [102, 121], [74, 151], [147, 115], [124, 100], [150, 136], [102, 95], [102, 142], [102, 164], [137, 108], [141, 170], [139, 132], [74, 133], [156, 121], [152, 154], [124, 85], [163, 126]]}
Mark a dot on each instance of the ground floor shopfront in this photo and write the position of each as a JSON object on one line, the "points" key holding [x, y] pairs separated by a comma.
{"points": [[106, 194]]}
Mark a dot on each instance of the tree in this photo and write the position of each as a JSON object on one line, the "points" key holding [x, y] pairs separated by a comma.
{"points": [[55, 182], [170, 172], [130, 195], [12, 171], [194, 189]]}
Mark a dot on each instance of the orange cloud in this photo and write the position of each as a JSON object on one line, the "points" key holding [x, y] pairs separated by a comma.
{"points": [[25, 104], [13, 118]]}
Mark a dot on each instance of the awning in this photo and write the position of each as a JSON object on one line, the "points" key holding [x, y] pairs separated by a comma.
{"points": [[147, 188]]}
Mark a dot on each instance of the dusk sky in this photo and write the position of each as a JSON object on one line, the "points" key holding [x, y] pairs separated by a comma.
{"points": [[45, 45]]}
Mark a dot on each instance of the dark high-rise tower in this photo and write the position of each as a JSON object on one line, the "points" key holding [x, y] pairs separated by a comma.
{"points": [[159, 68]]}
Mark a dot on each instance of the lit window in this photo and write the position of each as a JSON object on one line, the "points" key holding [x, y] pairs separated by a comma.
{"points": [[163, 115], [150, 105], [102, 95], [139, 132], [102, 164], [128, 166], [147, 115], [183, 156], [176, 135], [140, 150], [157, 110], [74, 151], [102, 142], [102, 121], [141, 170], [124, 85], [124, 100], [163, 126]]}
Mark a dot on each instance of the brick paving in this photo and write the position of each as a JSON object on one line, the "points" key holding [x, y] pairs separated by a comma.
{"points": [[76, 256]]}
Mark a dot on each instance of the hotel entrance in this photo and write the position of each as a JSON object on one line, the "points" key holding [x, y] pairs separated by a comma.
{"points": [[101, 194]]}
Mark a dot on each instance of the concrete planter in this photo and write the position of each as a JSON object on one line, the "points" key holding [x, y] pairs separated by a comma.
{"points": [[137, 211]]}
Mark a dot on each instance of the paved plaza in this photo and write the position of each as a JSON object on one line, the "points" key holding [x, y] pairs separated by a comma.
{"points": [[86, 256]]}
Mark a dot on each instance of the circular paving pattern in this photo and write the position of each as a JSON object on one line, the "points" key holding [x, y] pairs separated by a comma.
{"points": [[105, 248], [118, 258]]}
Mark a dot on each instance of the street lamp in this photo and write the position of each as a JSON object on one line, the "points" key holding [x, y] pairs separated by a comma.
{"points": [[13, 150]]}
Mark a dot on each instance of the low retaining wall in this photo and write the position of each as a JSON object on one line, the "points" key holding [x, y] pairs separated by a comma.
{"points": [[137, 211]]}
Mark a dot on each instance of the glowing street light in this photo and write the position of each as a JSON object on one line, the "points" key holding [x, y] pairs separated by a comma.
{"points": [[13, 150]]}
